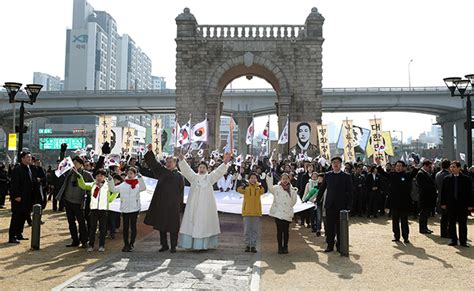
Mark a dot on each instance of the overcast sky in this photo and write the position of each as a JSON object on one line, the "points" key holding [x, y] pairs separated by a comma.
{"points": [[368, 43]]}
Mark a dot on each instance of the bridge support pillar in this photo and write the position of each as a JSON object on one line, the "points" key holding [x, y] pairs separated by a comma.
{"points": [[243, 120], [461, 140], [283, 112], [448, 140]]}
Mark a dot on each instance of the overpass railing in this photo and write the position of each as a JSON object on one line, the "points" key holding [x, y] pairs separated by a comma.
{"points": [[250, 31]]}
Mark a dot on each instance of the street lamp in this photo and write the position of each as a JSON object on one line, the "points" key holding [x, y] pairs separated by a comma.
{"points": [[401, 141], [461, 85], [32, 90]]}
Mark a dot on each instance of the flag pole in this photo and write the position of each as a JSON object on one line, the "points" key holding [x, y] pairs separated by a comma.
{"points": [[268, 137], [231, 130], [253, 131], [288, 143]]}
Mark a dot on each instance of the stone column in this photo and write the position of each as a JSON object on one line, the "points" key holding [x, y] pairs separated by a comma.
{"points": [[214, 116], [243, 120], [448, 140], [461, 142]]}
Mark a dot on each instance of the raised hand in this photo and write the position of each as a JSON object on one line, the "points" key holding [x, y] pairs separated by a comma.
{"points": [[227, 158], [106, 148]]}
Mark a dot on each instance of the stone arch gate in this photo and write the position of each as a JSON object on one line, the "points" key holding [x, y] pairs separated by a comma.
{"points": [[209, 57]]}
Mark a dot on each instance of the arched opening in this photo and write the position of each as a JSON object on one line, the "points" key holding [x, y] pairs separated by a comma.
{"points": [[246, 96]]}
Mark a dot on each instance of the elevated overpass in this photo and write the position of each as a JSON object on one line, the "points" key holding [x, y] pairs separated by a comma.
{"points": [[257, 102]]}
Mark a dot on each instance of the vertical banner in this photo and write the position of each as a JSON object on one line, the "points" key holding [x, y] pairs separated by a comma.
{"points": [[104, 131], [12, 142], [128, 138], [116, 141], [376, 146], [348, 135], [323, 140], [156, 132]]}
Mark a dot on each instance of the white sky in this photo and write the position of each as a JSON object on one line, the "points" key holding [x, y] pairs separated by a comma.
{"points": [[368, 42]]}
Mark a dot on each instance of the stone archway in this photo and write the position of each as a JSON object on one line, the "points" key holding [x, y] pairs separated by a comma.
{"points": [[208, 57]]}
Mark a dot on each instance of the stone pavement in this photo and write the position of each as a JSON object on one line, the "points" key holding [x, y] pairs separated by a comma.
{"points": [[227, 268]]}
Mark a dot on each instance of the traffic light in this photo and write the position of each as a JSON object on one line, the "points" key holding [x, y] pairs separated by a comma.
{"points": [[17, 128]]}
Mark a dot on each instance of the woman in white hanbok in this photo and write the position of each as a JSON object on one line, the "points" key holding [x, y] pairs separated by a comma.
{"points": [[200, 224]]}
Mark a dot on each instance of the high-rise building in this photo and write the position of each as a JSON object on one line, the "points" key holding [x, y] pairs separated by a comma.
{"points": [[98, 58], [50, 83], [134, 66], [159, 83]]}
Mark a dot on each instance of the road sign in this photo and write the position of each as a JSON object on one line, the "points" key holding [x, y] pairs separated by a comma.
{"points": [[45, 130], [12, 141], [54, 143]]}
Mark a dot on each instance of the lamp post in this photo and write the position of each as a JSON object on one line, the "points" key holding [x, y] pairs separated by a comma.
{"points": [[459, 85], [32, 90], [409, 74], [401, 141]]}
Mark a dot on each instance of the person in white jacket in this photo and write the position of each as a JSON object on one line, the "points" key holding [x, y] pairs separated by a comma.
{"points": [[284, 198], [200, 224], [225, 183], [129, 205]]}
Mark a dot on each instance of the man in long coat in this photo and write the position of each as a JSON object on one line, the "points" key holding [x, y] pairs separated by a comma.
{"points": [[165, 206]]}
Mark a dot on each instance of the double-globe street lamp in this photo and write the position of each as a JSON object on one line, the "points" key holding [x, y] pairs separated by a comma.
{"points": [[32, 90], [459, 87]]}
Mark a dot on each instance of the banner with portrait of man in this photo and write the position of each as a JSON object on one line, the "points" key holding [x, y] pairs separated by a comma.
{"points": [[303, 139], [360, 137]]}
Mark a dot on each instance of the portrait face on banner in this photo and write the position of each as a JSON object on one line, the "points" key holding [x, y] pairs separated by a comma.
{"points": [[303, 139]]}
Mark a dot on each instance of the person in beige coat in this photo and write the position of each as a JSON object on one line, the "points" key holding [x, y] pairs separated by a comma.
{"points": [[284, 198]]}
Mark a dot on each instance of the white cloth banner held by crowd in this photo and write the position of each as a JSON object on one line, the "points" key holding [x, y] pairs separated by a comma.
{"points": [[64, 166], [376, 141], [199, 132], [323, 140], [156, 131], [348, 135], [128, 138], [284, 134], [228, 202]]}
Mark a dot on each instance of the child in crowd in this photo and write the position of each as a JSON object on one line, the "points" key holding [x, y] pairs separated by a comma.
{"points": [[101, 197], [284, 198], [129, 205], [310, 194], [251, 211], [113, 217]]}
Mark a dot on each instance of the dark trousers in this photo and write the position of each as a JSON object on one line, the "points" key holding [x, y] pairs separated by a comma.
{"points": [[101, 217], [75, 213], [113, 221], [374, 197], [400, 217], [173, 239], [423, 220], [17, 223], [283, 228], [55, 204], [359, 203], [129, 221], [2, 198], [459, 217], [332, 227]]}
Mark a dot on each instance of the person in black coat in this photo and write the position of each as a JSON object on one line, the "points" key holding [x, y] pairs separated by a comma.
{"points": [[165, 206], [338, 197], [427, 197], [399, 200], [359, 200], [4, 185], [24, 182], [457, 199], [374, 191]]}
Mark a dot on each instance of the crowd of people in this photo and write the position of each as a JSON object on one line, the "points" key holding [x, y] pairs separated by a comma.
{"points": [[422, 190]]}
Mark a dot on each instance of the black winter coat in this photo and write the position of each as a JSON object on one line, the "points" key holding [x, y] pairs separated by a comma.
{"points": [[399, 196], [465, 197], [426, 189], [165, 206]]}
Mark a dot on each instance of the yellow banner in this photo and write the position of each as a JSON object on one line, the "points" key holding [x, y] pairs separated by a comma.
{"points": [[348, 135], [12, 141], [128, 139], [323, 140], [378, 141], [156, 131], [387, 145]]}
